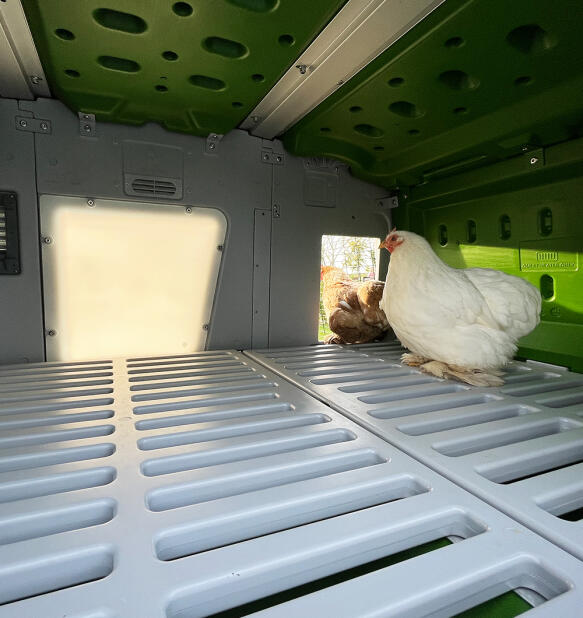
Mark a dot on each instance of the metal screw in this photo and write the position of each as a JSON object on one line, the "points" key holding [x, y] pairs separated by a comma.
{"points": [[86, 117], [278, 159], [405, 196], [211, 146], [87, 128], [213, 136], [266, 157], [220, 247], [255, 118], [35, 79], [533, 160], [302, 68], [188, 209], [44, 126], [47, 240], [51, 332], [90, 202], [22, 123], [205, 327]]}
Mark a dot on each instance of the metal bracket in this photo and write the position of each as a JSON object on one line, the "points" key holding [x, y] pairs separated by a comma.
{"points": [[87, 124], [535, 158], [212, 143], [272, 158], [33, 125], [390, 201]]}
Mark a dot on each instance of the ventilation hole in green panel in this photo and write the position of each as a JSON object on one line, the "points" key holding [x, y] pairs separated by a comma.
{"points": [[454, 41], [531, 39], [355, 108], [182, 8], [116, 20], [210, 83], [505, 230], [368, 130], [545, 221], [460, 110], [379, 148], [259, 6], [524, 80], [161, 88], [325, 129], [547, 287], [66, 35], [406, 109], [286, 40], [118, 64], [170, 55], [413, 131], [459, 80], [224, 47], [442, 233], [237, 104], [395, 82], [257, 77], [471, 231], [72, 73]]}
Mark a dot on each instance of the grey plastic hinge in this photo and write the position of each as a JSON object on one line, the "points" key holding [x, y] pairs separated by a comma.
{"points": [[212, 143], [33, 125], [87, 125], [272, 158]]}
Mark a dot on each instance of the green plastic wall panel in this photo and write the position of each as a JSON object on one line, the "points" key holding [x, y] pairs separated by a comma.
{"points": [[522, 216], [198, 66], [474, 82]]}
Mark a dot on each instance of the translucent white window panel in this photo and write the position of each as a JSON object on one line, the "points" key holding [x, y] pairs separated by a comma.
{"points": [[127, 278]]}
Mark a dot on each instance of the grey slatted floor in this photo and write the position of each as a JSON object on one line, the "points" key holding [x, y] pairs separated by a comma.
{"points": [[519, 447], [182, 486]]}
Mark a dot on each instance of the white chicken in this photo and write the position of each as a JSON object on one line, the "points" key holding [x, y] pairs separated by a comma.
{"points": [[457, 323]]}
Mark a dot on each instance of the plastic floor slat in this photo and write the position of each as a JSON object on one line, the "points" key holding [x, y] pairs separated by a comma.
{"points": [[519, 446], [190, 496]]}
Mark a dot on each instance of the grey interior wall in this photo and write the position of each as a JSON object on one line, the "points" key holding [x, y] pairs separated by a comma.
{"points": [[277, 207], [314, 197], [21, 327]]}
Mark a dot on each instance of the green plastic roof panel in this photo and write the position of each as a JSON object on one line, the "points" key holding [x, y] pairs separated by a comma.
{"points": [[475, 82], [199, 66]]}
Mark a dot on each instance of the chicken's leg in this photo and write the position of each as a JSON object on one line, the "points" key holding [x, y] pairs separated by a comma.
{"points": [[475, 377]]}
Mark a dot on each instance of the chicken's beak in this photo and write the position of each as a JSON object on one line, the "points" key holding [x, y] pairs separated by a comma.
{"points": [[383, 245]]}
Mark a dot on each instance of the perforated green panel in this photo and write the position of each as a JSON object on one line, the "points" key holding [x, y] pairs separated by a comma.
{"points": [[475, 82], [523, 218], [196, 66]]}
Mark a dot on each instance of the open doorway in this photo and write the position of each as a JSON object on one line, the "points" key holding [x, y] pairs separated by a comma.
{"points": [[356, 256]]}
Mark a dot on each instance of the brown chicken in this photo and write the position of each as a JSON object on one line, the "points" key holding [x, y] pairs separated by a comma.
{"points": [[352, 308]]}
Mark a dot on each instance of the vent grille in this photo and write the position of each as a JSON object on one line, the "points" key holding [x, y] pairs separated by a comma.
{"points": [[151, 186], [2, 230], [160, 187], [9, 244]]}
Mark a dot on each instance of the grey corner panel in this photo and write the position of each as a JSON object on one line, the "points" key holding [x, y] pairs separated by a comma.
{"points": [[21, 323], [519, 447], [181, 486]]}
